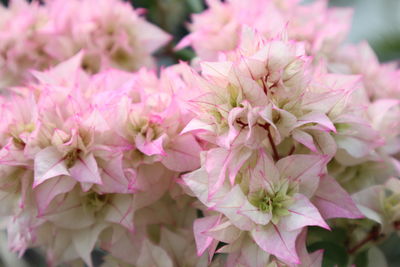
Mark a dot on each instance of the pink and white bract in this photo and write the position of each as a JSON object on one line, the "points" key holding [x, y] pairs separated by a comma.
{"points": [[34, 36], [96, 148], [275, 130]]}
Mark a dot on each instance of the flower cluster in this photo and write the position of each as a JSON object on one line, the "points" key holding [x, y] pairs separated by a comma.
{"points": [[275, 124], [218, 29], [83, 156], [35, 36], [277, 129]]}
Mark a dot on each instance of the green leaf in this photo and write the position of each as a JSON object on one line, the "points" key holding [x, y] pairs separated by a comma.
{"points": [[391, 248], [195, 6], [144, 3], [185, 54], [361, 259], [334, 254], [336, 235]]}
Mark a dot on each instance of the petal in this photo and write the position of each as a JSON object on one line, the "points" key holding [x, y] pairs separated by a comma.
{"points": [[249, 255], [114, 179], [85, 170], [252, 91], [85, 240], [305, 139], [254, 214], [197, 125], [150, 148], [124, 245], [49, 163], [324, 102], [200, 226], [64, 73], [121, 211], [281, 244], [67, 218], [315, 259], [183, 154], [323, 141], [46, 192], [319, 118], [96, 121], [354, 146], [217, 71], [286, 121], [197, 181], [333, 201], [150, 36], [302, 213], [153, 180], [186, 41], [368, 201], [221, 162], [179, 245], [264, 174], [152, 255], [225, 232], [230, 206], [254, 68], [307, 260], [304, 169]]}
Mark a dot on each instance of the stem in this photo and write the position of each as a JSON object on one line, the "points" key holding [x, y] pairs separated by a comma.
{"points": [[292, 150], [241, 123], [271, 141], [396, 225], [264, 85], [373, 235], [264, 88]]}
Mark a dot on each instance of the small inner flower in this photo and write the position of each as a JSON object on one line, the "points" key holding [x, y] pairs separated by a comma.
{"points": [[275, 201], [71, 157], [152, 132], [391, 203], [18, 142], [148, 129], [17, 130], [340, 127], [95, 201], [234, 97], [122, 58]]}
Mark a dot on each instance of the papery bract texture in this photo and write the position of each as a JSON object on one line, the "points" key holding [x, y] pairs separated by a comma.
{"points": [[112, 35]]}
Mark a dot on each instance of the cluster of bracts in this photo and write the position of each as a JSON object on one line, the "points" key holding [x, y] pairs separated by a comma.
{"points": [[275, 126]]}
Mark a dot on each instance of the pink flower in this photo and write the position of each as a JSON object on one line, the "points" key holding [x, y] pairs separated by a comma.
{"points": [[22, 46], [111, 35], [34, 36], [380, 203], [239, 156], [218, 28], [163, 236], [379, 79], [270, 204], [272, 119], [99, 148]]}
